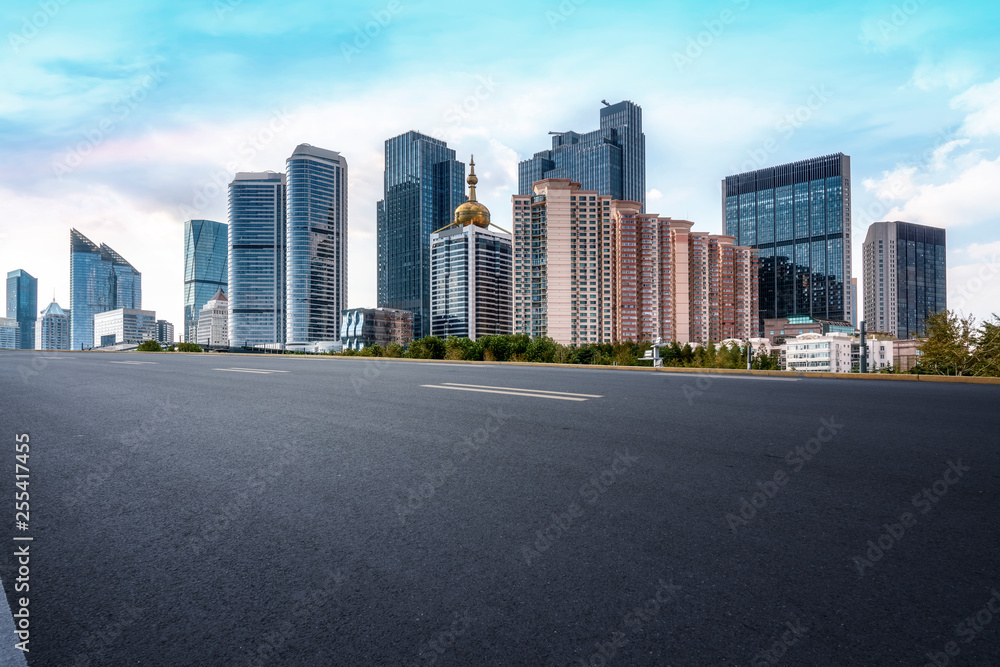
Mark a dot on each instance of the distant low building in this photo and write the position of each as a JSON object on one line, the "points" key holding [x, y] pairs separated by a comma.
{"points": [[213, 322], [124, 328], [906, 354], [52, 329], [164, 332], [10, 334], [362, 327], [790, 327], [836, 352]]}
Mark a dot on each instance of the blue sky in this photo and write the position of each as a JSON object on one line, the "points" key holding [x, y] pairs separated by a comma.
{"points": [[122, 120]]}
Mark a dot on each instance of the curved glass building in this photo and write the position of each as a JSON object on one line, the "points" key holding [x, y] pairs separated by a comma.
{"points": [[100, 280], [256, 259], [206, 268], [316, 255]]}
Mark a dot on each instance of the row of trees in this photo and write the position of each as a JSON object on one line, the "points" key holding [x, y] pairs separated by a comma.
{"points": [[955, 345], [521, 347], [154, 346]]}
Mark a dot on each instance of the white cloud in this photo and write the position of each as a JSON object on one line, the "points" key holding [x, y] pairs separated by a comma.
{"points": [[653, 195], [983, 104]]}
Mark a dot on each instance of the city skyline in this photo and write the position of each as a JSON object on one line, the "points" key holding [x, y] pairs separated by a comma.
{"points": [[913, 97]]}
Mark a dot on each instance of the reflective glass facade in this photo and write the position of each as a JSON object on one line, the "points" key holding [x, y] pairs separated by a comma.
{"points": [[256, 259], [424, 184], [610, 161], [206, 268], [100, 280], [361, 327], [905, 277], [471, 283], [799, 218], [22, 305], [52, 329], [316, 251]]}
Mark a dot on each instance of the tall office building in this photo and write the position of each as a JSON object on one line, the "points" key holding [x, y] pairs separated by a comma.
{"points": [[610, 161], [423, 187], [100, 280], [316, 245], [589, 269], [10, 333], [22, 305], [164, 333], [52, 329], [206, 268], [471, 272], [257, 259], [213, 322], [904, 268], [798, 216]]}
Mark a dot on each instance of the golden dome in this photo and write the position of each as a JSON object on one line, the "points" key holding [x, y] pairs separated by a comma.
{"points": [[472, 212]]}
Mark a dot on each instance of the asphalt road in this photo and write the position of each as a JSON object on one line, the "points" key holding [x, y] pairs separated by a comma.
{"points": [[343, 512]]}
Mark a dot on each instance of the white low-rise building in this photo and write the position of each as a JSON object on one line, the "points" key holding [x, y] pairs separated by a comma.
{"points": [[213, 322], [123, 328], [835, 353]]}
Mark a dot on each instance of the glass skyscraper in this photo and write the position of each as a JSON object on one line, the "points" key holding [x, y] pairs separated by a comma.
{"points": [[316, 252], [100, 280], [798, 216], [22, 305], [423, 187], [610, 161], [257, 259], [905, 277], [206, 268]]}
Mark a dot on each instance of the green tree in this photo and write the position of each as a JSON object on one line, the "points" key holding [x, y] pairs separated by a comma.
{"points": [[949, 344], [986, 358], [149, 346], [372, 351], [394, 350], [188, 347]]}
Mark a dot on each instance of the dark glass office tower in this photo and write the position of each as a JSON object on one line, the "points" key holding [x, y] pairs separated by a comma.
{"points": [[905, 273], [424, 184], [610, 161], [206, 268], [99, 280], [316, 252], [798, 216], [257, 259], [22, 305]]}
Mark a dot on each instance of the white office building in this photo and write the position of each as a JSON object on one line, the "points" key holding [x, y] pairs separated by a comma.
{"points": [[213, 322], [124, 328]]}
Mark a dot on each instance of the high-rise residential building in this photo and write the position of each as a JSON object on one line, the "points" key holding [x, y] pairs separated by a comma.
{"points": [[610, 161], [206, 268], [257, 202], [10, 333], [100, 280], [164, 332], [904, 269], [316, 245], [362, 327], [591, 269], [213, 322], [423, 187], [124, 327], [471, 273], [52, 329], [854, 300], [798, 216], [22, 305]]}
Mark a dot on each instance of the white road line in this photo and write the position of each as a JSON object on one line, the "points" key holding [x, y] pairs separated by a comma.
{"points": [[509, 393], [262, 370], [136, 363], [714, 376], [241, 370], [534, 391]]}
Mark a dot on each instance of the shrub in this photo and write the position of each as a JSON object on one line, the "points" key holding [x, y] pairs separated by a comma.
{"points": [[150, 346], [188, 347]]}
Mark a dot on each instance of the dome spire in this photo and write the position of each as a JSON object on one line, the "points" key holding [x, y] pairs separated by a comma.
{"points": [[473, 179]]}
